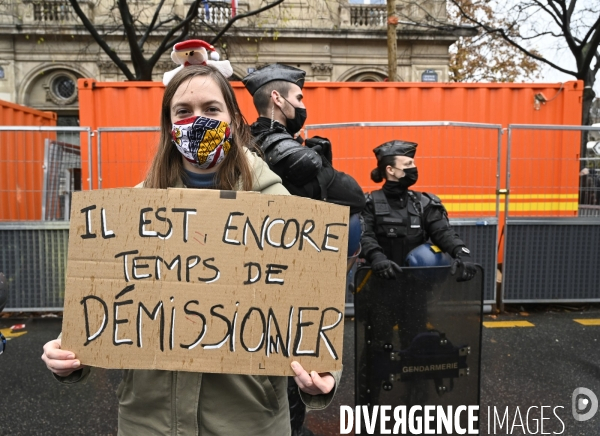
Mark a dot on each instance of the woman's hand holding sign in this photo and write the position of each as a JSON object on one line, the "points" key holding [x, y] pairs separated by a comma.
{"points": [[60, 362], [313, 383]]}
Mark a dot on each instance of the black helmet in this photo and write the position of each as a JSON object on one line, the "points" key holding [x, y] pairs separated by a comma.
{"points": [[427, 254]]}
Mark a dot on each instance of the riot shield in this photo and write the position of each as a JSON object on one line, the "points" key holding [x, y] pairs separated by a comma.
{"points": [[418, 338]]}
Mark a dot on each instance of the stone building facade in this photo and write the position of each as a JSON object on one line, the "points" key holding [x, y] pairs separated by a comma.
{"points": [[44, 48]]}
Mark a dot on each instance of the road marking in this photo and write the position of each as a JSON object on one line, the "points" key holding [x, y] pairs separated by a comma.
{"points": [[9, 334], [505, 324], [588, 321]]}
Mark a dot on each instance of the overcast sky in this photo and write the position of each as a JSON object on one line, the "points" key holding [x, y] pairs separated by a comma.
{"points": [[555, 49], [564, 59]]}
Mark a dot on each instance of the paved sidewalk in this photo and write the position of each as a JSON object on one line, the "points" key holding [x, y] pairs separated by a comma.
{"points": [[539, 365]]}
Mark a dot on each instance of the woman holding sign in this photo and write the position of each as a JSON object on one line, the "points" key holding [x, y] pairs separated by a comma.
{"points": [[205, 143]]}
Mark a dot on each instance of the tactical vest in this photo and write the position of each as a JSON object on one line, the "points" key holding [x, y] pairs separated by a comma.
{"points": [[398, 231]]}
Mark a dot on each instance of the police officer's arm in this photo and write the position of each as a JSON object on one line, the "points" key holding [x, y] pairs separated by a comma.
{"points": [[300, 166], [438, 228], [370, 248]]}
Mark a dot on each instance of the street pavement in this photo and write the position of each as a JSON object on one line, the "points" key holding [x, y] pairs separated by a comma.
{"points": [[539, 363]]}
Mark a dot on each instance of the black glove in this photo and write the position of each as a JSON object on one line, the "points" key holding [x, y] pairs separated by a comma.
{"points": [[465, 266], [385, 268], [321, 146]]}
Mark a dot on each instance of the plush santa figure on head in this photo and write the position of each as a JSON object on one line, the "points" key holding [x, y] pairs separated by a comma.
{"points": [[195, 52]]}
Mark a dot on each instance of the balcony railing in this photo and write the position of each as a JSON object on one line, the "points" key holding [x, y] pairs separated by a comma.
{"points": [[215, 13], [53, 11], [368, 16]]}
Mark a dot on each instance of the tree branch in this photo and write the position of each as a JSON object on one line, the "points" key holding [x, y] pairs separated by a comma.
{"points": [[571, 9], [167, 43], [167, 21], [528, 38], [240, 16], [566, 28], [594, 28], [509, 40], [129, 26], [100, 41], [557, 18], [590, 49], [151, 25]]}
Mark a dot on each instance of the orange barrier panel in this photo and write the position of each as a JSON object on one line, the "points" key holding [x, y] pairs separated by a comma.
{"points": [[544, 168], [457, 163], [120, 104], [21, 162]]}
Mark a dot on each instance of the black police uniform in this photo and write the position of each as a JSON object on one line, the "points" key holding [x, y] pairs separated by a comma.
{"points": [[395, 221], [305, 171], [399, 220]]}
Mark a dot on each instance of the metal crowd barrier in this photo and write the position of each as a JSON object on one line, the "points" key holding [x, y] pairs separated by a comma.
{"points": [[546, 232], [39, 168], [552, 242], [124, 154]]}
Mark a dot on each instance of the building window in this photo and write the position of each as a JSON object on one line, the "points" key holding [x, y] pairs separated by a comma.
{"points": [[62, 88], [367, 77], [1, 73]]}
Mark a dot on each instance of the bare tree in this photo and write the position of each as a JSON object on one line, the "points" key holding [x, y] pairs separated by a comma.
{"points": [[573, 25], [153, 30], [487, 57]]}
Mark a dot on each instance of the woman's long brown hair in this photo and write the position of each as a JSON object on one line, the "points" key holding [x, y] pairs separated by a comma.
{"points": [[167, 167]]}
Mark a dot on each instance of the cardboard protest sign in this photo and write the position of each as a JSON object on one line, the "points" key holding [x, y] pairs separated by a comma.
{"points": [[205, 280]]}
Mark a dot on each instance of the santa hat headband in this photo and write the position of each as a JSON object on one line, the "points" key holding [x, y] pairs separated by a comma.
{"points": [[195, 52], [189, 46]]}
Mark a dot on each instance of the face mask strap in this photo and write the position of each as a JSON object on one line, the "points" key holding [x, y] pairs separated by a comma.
{"points": [[281, 110], [272, 115], [273, 112], [396, 168]]}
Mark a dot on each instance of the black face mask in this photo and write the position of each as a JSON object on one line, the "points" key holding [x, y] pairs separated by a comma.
{"points": [[293, 125], [411, 175]]}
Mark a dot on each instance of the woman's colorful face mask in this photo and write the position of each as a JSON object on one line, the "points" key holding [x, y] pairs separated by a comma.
{"points": [[203, 142], [201, 124]]}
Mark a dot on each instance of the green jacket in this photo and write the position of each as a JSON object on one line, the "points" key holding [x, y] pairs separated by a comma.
{"points": [[177, 403]]}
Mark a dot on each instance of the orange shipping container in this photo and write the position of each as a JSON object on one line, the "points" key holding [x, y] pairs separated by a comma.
{"points": [[125, 159], [21, 161]]}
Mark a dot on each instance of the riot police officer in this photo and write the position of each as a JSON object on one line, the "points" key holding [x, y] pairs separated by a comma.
{"points": [[397, 223], [397, 219], [306, 170]]}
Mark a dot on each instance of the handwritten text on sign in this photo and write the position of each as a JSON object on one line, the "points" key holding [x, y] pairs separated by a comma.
{"points": [[205, 280]]}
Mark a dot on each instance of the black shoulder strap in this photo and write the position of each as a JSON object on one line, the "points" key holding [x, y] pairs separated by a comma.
{"points": [[380, 203], [417, 200], [325, 181], [431, 198]]}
